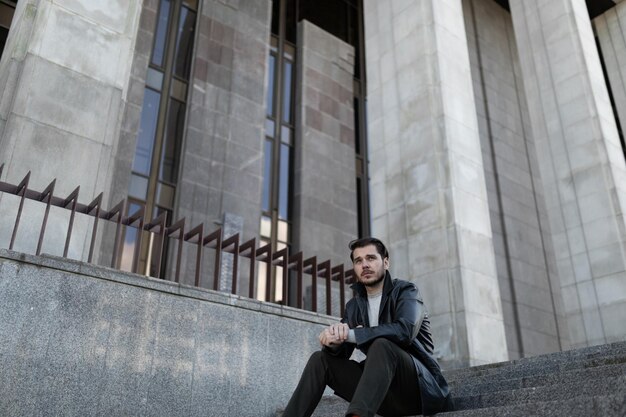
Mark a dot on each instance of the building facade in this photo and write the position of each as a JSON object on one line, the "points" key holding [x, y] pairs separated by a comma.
{"points": [[481, 139]]}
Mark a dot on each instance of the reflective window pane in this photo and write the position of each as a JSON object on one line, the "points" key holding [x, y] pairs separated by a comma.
{"points": [[154, 79], [285, 135], [283, 191], [269, 104], [266, 226], [184, 43], [138, 187], [287, 70], [178, 90], [283, 231], [147, 130], [267, 175], [172, 142], [160, 36], [165, 195]]}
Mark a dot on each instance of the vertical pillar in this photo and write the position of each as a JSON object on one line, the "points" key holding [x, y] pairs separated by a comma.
{"points": [[325, 191], [428, 193], [581, 163], [325, 213], [63, 87], [222, 160]]}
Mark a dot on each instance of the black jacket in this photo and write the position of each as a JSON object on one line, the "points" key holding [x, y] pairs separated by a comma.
{"points": [[403, 320]]}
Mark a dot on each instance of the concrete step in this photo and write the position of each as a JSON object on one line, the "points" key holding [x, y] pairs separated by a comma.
{"points": [[484, 384], [576, 383], [614, 353], [604, 405], [564, 391], [580, 406]]}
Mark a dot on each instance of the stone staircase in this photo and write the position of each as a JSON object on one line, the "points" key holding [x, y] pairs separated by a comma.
{"points": [[584, 382]]}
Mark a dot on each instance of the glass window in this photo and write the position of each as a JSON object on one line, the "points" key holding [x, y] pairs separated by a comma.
{"points": [[184, 43], [287, 72], [172, 141], [266, 226], [160, 37], [283, 192], [267, 175], [138, 187], [270, 88], [147, 130]]}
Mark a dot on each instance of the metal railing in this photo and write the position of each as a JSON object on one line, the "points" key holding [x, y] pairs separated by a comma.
{"points": [[295, 264]]}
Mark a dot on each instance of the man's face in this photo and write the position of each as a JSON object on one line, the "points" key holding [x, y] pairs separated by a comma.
{"points": [[369, 266]]}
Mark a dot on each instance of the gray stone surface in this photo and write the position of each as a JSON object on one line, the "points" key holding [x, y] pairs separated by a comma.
{"points": [[222, 160], [65, 72], [428, 190], [77, 339], [325, 217], [580, 159], [511, 184], [575, 383]]}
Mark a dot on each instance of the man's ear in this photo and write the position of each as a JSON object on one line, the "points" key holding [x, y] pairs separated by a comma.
{"points": [[386, 263]]}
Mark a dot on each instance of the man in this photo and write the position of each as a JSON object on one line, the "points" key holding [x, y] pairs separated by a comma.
{"points": [[388, 322]]}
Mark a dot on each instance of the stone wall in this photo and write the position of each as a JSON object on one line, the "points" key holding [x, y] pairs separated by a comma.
{"points": [[427, 188], [325, 217], [581, 162], [530, 293], [64, 86], [77, 339]]}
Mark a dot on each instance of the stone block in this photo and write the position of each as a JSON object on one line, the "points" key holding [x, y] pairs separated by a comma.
{"points": [[71, 41], [116, 15], [65, 100]]}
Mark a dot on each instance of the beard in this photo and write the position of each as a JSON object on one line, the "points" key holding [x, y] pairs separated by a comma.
{"points": [[375, 282]]}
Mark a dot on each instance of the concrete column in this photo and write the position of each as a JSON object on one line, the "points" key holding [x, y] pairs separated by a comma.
{"points": [[63, 89], [529, 287], [222, 158], [428, 193], [581, 163], [611, 31], [325, 215]]}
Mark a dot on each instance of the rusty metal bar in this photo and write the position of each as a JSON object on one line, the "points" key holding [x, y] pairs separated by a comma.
{"points": [[284, 254], [214, 240], [179, 227], [337, 273], [297, 260], [234, 241], [325, 266], [216, 237], [118, 211], [136, 217], [158, 222], [21, 188], [311, 263], [195, 236], [45, 195], [95, 205], [73, 199], [250, 246]]}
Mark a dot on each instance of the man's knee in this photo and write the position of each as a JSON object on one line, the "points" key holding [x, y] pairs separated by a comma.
{"points": [[381, 346]]}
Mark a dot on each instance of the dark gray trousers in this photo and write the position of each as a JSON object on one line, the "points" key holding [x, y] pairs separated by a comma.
{"points": [[385, 383]]}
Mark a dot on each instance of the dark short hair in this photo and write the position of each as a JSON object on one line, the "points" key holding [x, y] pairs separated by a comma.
{"points": [[366, 241]]}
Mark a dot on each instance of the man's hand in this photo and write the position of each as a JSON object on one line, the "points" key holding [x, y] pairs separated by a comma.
{"points": [[334, 335]]}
